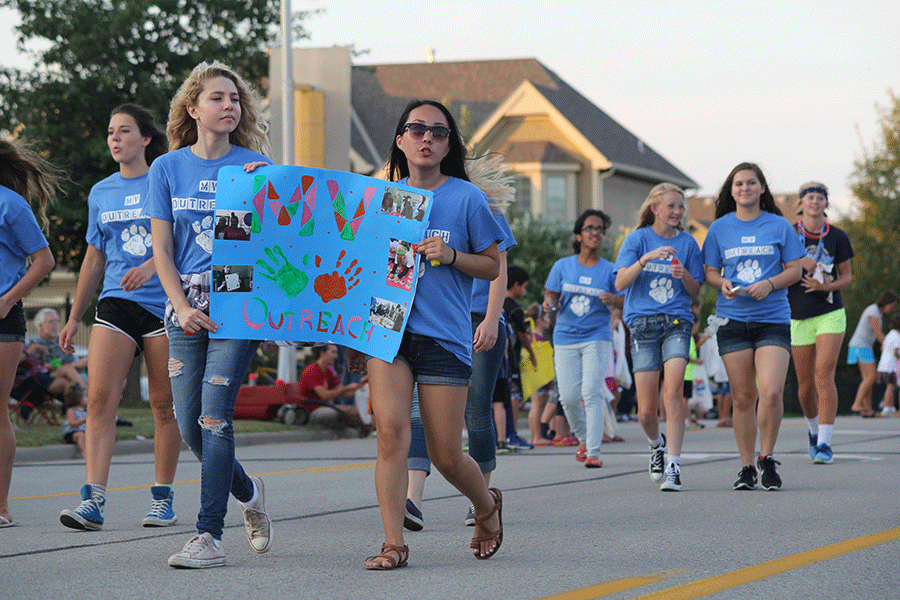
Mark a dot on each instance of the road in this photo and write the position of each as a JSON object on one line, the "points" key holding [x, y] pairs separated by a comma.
{"points": [[570, 533]]}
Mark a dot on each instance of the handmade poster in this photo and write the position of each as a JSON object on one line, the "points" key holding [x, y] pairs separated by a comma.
{"points": [[312, 255]]}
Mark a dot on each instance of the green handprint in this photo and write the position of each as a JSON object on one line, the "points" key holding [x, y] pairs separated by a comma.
{"points": [[288, 277]]}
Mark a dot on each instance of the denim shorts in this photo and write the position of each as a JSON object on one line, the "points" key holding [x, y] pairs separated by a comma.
{"points": [[431, 363], [12, 326], [656, 339], [735, 336]]}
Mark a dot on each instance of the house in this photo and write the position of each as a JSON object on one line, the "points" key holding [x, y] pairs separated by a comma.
{"points": [[701, 212], [568, 155]]}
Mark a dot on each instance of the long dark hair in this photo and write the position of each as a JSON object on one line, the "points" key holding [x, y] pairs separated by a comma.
{"points": [[146, 122], [454, 164], [726, 203], [579, 224]]}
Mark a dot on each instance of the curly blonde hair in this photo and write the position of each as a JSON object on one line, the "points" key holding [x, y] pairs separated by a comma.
{"points": [[251, 132], [645, 214]]}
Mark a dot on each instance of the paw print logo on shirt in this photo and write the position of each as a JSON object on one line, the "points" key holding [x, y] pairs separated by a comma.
{"points": [[204, 232], [661, 290], [748, 271], [137, 239], [580, 305]]}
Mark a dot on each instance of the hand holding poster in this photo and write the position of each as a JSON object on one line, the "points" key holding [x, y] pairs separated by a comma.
{"points": [[306, 255]]}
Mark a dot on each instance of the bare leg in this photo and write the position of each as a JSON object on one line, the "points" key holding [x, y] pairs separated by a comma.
{"points": [[538, 402], [805, 365], [647, 389], [78, 437], [443, 416], [9, 360], [391, 389], [742, 375], [863, 401], [676, 407], [771, 394], [415, 489], [166, 437]]}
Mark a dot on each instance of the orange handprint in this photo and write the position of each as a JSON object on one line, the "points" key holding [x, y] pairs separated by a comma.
{"points": [[331, 286]]}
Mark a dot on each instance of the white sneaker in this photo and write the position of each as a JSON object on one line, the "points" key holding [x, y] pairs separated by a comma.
{"points": [[199, 553], [672, 481], [256, 521]]}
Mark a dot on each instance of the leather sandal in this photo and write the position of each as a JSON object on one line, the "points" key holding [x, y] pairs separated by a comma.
{"points": [[489, 536], [401, 551]]}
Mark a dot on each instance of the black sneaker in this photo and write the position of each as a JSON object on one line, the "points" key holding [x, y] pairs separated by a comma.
{"points": [[658, 461], [768, 478], [746, 479], [414, 521]]}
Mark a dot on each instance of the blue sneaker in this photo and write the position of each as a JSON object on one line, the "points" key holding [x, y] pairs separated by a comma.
{"points": [[470, 516], [414, 521], [813, 444], [161, 513], [514, 442], [824, 455], [89, 514]]}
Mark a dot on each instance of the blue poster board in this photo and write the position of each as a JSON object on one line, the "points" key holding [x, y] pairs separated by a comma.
{"points": [[313, 255]]}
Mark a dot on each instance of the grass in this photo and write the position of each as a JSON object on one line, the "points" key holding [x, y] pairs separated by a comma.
{"points": [[142, 419]]}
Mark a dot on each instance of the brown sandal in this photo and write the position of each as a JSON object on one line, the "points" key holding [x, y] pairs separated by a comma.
{"points": [[402, 554], [490, 535]]}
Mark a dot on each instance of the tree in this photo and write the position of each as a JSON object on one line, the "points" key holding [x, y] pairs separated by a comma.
{"points": [[875, 234], [105, 52]]}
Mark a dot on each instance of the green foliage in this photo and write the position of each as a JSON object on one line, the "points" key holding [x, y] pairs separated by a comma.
{"points": [[875, 234], [100, 53], [539, 244]]}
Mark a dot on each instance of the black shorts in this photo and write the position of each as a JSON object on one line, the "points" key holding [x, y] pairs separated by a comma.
{"points": [[12, 326], [129, 318], [688, 389], [501, 392]]}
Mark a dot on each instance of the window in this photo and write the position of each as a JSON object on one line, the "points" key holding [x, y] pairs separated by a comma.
{"points": [[555, 208], [522, 204]]}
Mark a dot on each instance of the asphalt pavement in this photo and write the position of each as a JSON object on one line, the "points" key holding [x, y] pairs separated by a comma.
{"points": [[833, 531]]}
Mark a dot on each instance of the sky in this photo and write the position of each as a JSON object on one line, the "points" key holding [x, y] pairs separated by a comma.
{"points": [[790, 85]]}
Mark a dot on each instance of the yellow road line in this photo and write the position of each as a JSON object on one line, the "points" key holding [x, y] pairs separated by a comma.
{"points": [[711, 585], [329, 469], [604, 589]]}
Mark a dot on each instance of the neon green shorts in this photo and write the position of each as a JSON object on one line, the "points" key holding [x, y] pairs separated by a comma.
{"points": [[804, 331]]}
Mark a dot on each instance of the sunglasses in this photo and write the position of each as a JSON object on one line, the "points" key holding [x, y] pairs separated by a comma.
{"points": [[591, 229], [417, 131]]}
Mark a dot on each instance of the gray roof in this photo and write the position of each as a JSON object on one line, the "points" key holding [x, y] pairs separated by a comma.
{"points": [[379, 94]]}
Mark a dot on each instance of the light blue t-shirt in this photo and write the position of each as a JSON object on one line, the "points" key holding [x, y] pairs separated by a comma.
{"points": [[751, 251], [441, 309], [183, 191], [118, 227], [481, 287], [581, 315], [21, 237], [655, 291]]}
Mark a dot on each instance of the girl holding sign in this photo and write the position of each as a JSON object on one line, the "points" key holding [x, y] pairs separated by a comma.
{"points": [[661, 268], [24, 176], [128, 321], [435, 352], [214, 122], [752, 255]]}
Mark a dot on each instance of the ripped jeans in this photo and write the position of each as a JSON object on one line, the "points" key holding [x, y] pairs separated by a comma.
{"points": [[206, 375]]}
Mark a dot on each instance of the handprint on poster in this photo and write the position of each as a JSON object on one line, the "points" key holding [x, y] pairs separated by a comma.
{"points": [[317, 257]]}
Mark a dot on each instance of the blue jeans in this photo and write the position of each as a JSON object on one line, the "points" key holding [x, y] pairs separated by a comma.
{"points": [[206, 375], [479, 409], [581, 375]]}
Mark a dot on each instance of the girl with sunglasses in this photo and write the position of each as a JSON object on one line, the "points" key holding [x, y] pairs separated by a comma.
{"points": [[752, 255], [128, 321], [24, 177], [435, 353], [582, 287], [214, 121], [818, 318], [661, 269]]}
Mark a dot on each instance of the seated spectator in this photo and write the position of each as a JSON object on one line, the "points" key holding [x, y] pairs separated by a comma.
{"points": [[46, 346], [319, 382], [76, 420]]}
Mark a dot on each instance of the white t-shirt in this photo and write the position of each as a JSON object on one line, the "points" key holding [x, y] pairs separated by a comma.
{"points": [[888, 362], [864, 336]]}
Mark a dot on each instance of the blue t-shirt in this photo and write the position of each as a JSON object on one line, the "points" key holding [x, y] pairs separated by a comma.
{"points": [[581, 315], [751, 251], [183, 191], [21, 237], [118, 227], [481, 287], [442, 307], [655, 291]]}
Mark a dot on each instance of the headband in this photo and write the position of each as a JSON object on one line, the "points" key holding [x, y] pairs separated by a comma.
{"points": [[814, 188]]}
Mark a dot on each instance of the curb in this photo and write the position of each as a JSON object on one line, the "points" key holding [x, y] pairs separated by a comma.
{"points": [[69, 452]]}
